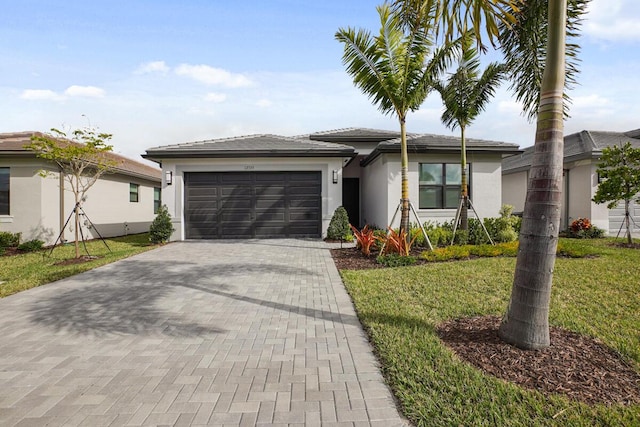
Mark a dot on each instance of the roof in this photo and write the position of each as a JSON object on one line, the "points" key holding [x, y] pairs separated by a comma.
{"points": [[12, 144], [429, 143], [263, 145], [348, 135], [577, 146]]}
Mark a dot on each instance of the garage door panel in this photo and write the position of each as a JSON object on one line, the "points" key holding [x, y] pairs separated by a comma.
{"points": [[252, 204]]}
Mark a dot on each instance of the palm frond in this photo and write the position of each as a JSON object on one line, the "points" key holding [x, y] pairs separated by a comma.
{"points": [[524, 47]]}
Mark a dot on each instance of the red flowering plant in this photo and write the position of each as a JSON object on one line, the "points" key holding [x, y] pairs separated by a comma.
{"points": [[580, 224]]}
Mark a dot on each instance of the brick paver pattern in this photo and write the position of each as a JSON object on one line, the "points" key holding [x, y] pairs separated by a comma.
{"points": [[257, 332]]}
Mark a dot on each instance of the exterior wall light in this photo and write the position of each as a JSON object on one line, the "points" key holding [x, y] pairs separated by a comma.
{"points": [[168, 177], [335, 176]]}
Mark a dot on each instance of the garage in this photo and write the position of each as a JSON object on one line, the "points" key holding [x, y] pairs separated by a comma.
{"points": [[232, 205]]}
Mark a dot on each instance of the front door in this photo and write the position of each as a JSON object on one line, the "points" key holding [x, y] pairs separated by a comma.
{"points": [[351, 199]]}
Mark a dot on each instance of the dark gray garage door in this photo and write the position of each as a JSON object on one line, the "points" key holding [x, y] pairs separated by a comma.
{"points": [[221, 205]]}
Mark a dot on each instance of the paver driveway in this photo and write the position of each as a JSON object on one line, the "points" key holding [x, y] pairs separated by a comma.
{"points": [[256, 332]]}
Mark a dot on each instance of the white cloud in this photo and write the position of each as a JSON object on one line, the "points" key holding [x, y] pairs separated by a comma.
{"points": [[613, 20], [85, 91], [589, 102], [152, 67], [40, 94], [264, 103], [213, 76], [215, 97]]}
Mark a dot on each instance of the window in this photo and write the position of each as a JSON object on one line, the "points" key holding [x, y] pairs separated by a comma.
{"points": [[440, 185], [157, 199], [133, 193], [4, 191]]}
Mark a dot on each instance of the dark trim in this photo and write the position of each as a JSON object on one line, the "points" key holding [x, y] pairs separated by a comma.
{"points": [[243, 154]]}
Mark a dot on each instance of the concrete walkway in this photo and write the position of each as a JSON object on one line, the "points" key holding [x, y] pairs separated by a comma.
{"points": [[247, 333]]}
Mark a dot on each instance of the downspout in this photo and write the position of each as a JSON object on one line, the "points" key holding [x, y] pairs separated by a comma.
{"points": [[566, 199], [61, 204]]}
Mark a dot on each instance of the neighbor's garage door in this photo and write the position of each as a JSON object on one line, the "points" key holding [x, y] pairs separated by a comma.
{"points": [[222, 205]]}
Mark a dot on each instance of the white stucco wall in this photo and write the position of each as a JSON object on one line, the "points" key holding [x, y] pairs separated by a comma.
{"points": [[514, 190], [383, 177], [375, 196], [26, 189], [173, 195]]}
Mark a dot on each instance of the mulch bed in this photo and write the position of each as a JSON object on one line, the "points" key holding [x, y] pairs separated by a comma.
{"points": [[576, 366], [353, 259]]}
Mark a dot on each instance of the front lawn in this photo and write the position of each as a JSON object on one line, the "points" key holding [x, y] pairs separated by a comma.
{"points": [[401, 307], [28, 270]]}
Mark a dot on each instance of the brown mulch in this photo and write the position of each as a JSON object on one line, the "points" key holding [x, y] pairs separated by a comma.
{"points": [[353, 259], [576, 366]]}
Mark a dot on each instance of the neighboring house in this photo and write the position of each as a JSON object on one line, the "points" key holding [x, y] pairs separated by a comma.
{"points": [[276, 186], [582, 152], [119, 203]]}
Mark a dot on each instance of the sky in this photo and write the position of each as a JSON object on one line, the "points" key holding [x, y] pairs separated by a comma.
{"points": [[159, 72]]}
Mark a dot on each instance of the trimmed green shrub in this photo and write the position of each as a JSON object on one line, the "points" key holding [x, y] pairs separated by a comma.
{"points": [[9, 240], [396, 260], [31, 245], [339, 226], [161, 227]]}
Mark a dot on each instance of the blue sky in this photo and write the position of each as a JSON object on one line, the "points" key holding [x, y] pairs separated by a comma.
{"points": [[156, 72]]}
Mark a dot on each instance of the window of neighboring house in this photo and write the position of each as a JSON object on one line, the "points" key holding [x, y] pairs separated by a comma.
{"points": [[157, 199], [4, 191], [440, 185], [134, 193]]}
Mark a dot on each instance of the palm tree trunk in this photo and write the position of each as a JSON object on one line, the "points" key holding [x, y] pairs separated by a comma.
{"points": [[526, 323], [464, 190], [404, 168]]}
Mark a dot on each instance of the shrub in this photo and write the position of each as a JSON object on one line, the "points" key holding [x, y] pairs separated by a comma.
{"points": [[9, 240], [31, 245], [365, 239], [161, 227], [395, 260], [447, 253], [339, 225], [396, 242], [582, 228]]}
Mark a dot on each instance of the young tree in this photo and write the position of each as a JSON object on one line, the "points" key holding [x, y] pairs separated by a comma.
{"points": [[81, 157], [620, 169], [396, 69], [465, 94]]}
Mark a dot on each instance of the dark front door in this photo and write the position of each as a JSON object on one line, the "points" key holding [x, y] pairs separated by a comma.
{"points": [[351, 199], [231, 205]]}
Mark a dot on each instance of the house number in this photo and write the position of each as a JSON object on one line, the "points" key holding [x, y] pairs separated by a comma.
{"points": [[249, 167]]}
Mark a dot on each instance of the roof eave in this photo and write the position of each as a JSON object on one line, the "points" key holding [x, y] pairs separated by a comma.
{"points": [[245, 154]]}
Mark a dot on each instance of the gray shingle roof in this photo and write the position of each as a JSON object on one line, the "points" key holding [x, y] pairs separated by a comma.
{"points": [[251, 146], [429, 143], [581, 145], [12, 144]]}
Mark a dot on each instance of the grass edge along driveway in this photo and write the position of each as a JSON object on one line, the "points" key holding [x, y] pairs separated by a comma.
{"points": [[400, 308], [29, 270]]}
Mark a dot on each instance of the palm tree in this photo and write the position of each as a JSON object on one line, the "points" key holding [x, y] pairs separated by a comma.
{"points": [[396, 70], [526, 323], [465, 95]]}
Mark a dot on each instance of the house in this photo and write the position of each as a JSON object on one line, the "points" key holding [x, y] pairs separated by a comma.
{"points": [[277, 186], [119, 203], [582, 151]]}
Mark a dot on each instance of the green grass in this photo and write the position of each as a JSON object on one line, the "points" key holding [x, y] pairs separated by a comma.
{"points": [[400, 307], [26, 271]]}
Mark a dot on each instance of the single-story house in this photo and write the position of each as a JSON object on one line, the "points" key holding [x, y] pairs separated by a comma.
{"points": [[276, 186], [582, 151], [121, 202]]}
